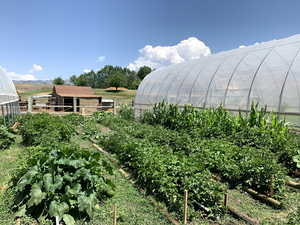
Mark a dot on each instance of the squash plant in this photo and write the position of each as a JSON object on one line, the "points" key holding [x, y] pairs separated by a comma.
{"points": [[62, 181], [6, 137]]}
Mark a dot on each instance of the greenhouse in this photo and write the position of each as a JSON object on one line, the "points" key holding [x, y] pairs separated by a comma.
{"points": [[267, 73], [9, 106]]}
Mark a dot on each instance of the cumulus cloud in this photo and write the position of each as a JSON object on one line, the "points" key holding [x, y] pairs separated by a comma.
{"points": [[36, 68], [159, 56], [16, 76], [87, 70], [101, 58]]}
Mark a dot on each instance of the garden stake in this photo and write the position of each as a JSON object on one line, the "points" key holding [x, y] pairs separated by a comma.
{"points": [[114, 215], [225, 200], [185, 207]]}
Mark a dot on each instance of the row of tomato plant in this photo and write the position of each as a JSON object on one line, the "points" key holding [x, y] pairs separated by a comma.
{"points": [[247, 166], [57, 178], [163, 174]]}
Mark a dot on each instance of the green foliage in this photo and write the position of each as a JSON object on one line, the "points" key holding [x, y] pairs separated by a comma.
{"points": [[44, 129], [117, 80], [62, 180], [143, 72], [58, 81], [296, 159], [102, 78], [126, 112], [74, 119], [166, 175], [294, 217], [246, 166], [6, 137], [256, 129]]}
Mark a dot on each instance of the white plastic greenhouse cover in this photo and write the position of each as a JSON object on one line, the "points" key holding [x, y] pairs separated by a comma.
{"points": [[267, 73], [8, 91]]}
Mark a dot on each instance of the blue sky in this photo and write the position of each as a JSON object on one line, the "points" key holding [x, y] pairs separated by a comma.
{"points": [[65, 37]]}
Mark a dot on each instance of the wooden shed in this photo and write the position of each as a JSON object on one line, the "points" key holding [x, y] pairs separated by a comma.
{"points": [[75, 98]]}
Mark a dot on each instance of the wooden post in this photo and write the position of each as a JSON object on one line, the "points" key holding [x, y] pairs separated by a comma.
{"points": [[114, 214], [115, 107], [185, 211], [74, 104], [225, 200], [30, 104]]}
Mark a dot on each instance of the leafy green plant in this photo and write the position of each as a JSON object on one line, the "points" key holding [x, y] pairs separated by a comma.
{"points": [[44, 129], [62, 181], [74, 119], [294, 218], [126, 112], [6, 137], [296, 159]]}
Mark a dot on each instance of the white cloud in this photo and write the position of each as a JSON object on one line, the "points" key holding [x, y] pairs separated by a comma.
{"points": [[36, 68], [87, 70], [159, 56], [101, 58], [16, 76], [243, 46]]}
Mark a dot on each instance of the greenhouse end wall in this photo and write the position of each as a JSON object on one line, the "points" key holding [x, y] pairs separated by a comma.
{"points": [[266, 73], [9, 99]]}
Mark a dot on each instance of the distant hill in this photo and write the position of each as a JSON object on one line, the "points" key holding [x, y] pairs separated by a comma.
{"points": [[32, 81], [37, 81]]}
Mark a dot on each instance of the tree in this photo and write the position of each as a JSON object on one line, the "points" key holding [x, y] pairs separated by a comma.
{"points": [[73, 79], [58, 81], [117, 80], [143, 72]]}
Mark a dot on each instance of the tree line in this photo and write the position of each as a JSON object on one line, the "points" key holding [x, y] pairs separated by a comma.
{"points": [[109, 76]]}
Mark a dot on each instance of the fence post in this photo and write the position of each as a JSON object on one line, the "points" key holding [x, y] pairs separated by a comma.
{"points": [[30, 104], [185, 211], [74, 104], [115, 107]]}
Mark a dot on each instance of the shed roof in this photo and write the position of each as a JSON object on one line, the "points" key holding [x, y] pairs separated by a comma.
{"points": [[74, 91]]}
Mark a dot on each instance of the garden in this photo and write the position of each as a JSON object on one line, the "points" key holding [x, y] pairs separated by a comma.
{"points": [[172, 165]]}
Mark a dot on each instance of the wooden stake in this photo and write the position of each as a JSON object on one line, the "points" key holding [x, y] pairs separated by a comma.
{"points": [[225, 200], [114, 215], [185, 207]]}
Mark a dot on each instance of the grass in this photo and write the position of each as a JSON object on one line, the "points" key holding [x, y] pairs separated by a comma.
{"points": [[8, 163], [123, 96]]}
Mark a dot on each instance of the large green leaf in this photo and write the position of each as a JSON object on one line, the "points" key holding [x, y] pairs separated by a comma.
{"points": [[27, 178], [36, 195], [87, 203], [74, 191], [21, 212], [58, 209], [48, 182], [68, 219]]}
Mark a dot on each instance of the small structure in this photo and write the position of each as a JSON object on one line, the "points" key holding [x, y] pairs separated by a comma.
{"points": [[75, 99]]}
